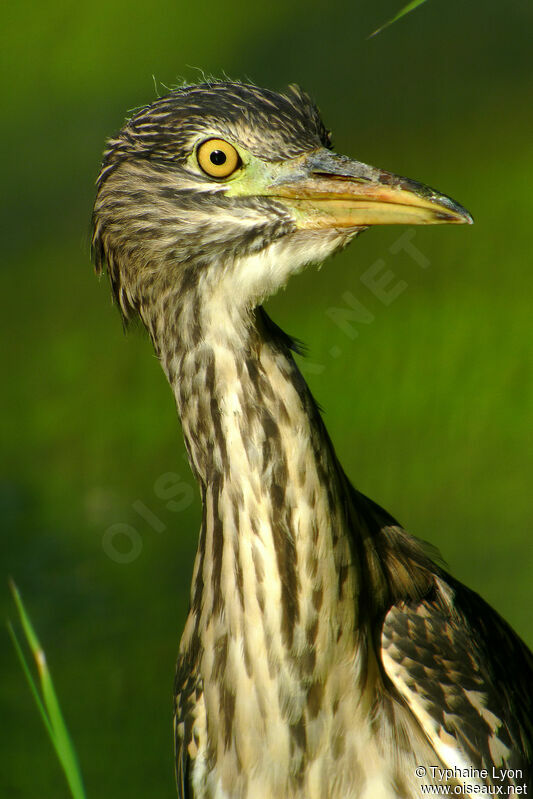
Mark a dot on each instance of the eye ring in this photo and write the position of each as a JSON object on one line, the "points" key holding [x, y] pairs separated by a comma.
{"points": [[217, 158]]}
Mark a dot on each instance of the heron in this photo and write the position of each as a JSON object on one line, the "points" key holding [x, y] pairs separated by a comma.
{"points": [[327, 654]]}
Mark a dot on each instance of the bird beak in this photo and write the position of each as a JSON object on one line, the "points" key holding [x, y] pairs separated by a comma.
{"points": [[326, 190]]}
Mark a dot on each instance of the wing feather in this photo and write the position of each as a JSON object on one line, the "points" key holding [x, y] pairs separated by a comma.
{"points": [[188, 695], [466, 677]]}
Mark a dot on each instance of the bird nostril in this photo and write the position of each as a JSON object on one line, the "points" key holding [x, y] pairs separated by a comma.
{"points": [[333, 176]]}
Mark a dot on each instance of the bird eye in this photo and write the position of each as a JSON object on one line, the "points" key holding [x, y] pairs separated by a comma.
{"points": [[218, 158]]}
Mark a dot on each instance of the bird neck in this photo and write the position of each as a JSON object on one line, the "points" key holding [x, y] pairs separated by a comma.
{"points": [[274, 530]]}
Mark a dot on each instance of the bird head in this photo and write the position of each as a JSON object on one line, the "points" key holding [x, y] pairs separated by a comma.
{"points": [[224, 190]]}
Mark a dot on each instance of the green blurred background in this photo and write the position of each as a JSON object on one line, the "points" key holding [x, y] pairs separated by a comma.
{"points": [[429, 403]]}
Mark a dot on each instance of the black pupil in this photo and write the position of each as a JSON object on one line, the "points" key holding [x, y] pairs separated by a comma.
{"points": [[218, 157]]}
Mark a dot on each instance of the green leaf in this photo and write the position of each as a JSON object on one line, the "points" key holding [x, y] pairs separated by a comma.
{"points": [[405, 10], [46, 700]]}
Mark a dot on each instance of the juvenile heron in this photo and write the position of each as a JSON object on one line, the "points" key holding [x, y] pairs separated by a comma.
{"points": [[325, 655]]}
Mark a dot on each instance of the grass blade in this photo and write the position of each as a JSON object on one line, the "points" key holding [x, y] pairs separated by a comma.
{"points": [[405, 10], [31, 681], [47, 701]]}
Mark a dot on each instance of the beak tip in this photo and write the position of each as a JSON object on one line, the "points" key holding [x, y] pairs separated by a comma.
{"points": [[466, 218], [456, 213]]}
